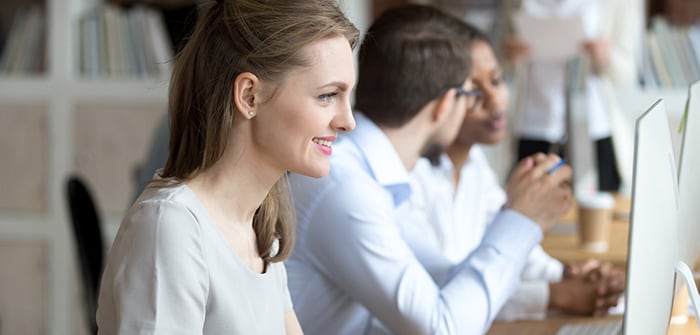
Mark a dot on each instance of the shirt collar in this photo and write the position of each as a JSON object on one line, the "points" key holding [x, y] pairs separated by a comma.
{"points": [[381, 157], [446, 167], [445, 164]]}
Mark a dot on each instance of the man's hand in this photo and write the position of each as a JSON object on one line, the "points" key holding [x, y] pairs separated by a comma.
{"points": [[542, 197]]}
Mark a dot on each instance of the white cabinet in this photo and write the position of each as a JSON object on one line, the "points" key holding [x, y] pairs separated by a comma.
{"points": [[53, 124]]}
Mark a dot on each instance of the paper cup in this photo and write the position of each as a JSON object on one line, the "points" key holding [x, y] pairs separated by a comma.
{"points": [[594, 219]]}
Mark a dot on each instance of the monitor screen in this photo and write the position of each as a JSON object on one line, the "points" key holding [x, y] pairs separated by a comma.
{"points": [[688, 184], [652, 251]]}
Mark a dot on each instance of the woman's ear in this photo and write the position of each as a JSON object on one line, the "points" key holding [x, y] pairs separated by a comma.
{"points": [[246, 89]]}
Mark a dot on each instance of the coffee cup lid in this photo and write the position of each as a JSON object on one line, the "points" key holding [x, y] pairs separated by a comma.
{"points": [[600, 200]]}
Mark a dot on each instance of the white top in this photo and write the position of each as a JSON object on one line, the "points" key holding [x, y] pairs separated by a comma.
{"points": [[440, 220], [352, 272], [542, 110], [170, 271]]}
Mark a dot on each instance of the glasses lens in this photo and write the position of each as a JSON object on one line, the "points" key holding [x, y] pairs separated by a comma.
{"points": [[476, 102], [474, 97]]}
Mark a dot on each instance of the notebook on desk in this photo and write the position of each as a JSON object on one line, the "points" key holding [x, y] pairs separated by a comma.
{"points": [[652, 251]]}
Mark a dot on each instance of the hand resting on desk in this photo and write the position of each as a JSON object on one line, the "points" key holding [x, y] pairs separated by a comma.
{"points": [[590, 288]]}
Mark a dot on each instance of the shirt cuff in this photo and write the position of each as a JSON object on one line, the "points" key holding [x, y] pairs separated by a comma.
{"points": [[555, 270], [513, 234], [530, 302]]}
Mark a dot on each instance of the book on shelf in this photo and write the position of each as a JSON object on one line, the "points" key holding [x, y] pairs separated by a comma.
{"points": [[649, 74], [657, 60], [140, 56], [157, 36], [672, 54], [669, 52], [25, 49], [693, 35], [116, 42], [3, 38]]}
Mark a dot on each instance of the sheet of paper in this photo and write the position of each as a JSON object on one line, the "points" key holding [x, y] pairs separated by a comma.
{"points": [[550, 39]]}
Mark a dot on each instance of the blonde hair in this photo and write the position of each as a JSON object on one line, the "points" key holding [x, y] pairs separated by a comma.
{"points": [[232, 37]]}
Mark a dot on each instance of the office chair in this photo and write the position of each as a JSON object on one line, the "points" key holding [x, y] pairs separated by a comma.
{"points": [[88, 239]]}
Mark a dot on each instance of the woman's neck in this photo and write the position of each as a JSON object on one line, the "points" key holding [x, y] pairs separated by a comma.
{"points": [[458, 154], [235, 188]]}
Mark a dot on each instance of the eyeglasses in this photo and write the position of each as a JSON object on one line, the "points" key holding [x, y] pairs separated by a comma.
{"points": [[477, 96]]}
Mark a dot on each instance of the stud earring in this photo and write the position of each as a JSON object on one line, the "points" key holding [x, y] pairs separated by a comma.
{"points": [[251, 113]]}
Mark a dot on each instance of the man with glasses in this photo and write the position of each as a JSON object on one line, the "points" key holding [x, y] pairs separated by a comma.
{"points": [[456, 194], [351, 271]]}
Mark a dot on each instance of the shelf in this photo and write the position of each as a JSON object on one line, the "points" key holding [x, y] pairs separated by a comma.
{"points": [[137, 91], [28, 89], [31, 89], [26, 227]]}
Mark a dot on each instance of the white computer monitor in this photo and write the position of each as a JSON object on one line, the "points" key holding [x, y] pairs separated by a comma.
{"points": [[652, 250], [689, 181], [688, 195]]}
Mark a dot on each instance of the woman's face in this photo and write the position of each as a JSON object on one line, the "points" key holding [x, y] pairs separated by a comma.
{"points": [[297, 126], [485, 123], [450, 127]]}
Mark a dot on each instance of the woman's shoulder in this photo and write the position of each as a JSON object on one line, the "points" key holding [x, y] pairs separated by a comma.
{"points": [[164, 210], [278, 272], [166, 196]]}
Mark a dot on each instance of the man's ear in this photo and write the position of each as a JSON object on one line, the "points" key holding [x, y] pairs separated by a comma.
{"points": [[443, 106], [246, 89]]}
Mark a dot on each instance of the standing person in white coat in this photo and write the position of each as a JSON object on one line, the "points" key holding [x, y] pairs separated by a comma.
{"points": [[613, 30], [456, 195]]}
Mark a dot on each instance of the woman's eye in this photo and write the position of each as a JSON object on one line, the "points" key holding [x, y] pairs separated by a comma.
{"points": [[328, 97], [496, 81]]}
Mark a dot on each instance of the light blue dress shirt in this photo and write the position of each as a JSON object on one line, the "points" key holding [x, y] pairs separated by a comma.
{"points": [[351, 271], [443, 220]]}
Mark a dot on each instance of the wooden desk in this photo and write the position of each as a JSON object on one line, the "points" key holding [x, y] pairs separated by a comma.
{"points": [[564, 246], [551, 325], [562, 241]]}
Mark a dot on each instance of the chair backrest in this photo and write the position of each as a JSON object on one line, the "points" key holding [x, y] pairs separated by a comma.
{"points": [[88, 239]]}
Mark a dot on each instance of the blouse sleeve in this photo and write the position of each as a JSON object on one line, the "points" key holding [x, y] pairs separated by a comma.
{"points": [[281, 273], [156, 279]]}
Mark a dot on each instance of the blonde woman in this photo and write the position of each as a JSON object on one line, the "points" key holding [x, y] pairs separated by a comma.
{"points": [[260, 88]]}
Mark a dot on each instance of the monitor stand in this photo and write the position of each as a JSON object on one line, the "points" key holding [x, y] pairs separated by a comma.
{"points": [[684, 271]]}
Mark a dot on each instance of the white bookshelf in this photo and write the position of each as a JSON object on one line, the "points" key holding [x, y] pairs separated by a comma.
{"points": [[44, 116]]}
